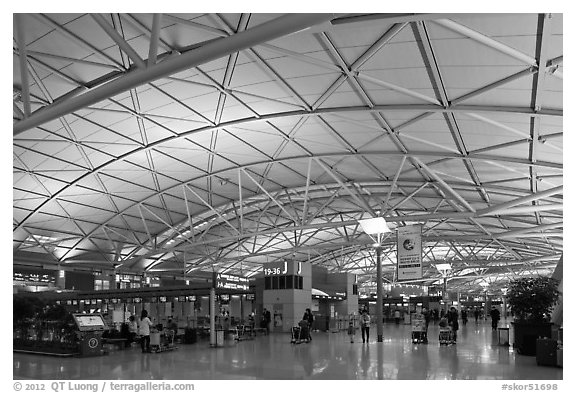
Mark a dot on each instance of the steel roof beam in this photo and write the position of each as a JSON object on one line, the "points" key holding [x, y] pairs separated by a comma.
{"points": [[542, 44], [117, 38], [265, 32], [481, 38], [23, 63], [503, 207]]}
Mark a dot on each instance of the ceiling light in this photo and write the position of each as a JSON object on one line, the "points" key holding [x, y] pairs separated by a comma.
{"points": [[374, 226], [443, 266]]}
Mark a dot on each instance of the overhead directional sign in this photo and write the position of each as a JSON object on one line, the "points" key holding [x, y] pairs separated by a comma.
{"points": [[282, 268], [230, 281]]}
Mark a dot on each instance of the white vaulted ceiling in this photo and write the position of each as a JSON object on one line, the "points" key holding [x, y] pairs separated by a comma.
{"points": [[181, 143]]}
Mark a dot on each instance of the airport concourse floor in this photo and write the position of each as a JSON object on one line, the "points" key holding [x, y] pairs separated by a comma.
{"points": [[328, 356]]}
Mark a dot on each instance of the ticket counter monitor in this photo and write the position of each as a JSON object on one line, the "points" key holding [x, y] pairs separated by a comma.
{"points": [[90, 329]]}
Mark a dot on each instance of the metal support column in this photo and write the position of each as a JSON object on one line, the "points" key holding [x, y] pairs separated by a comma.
{"points": [[212, 317], [379, 327]]}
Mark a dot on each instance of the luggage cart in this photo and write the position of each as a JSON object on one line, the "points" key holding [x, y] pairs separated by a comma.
{"points": [[162, 341], [299, 335], [419, 331], [446, 336], [243, 332]]}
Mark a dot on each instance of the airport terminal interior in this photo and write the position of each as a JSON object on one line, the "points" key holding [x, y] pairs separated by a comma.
{"points": [[287, 196]]}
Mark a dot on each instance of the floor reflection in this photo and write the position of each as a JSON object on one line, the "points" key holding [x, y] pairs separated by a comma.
{"points": [[328, 356]]}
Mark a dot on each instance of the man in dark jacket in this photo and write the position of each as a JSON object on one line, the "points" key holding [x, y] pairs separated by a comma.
{"points": [[308, 317], [495, 315], [452, 316]]}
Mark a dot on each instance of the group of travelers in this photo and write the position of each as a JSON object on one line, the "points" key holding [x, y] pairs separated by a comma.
{"points": [[447, 319]]}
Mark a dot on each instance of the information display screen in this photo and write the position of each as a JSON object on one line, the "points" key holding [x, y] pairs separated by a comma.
{"points": [[89, 322]]}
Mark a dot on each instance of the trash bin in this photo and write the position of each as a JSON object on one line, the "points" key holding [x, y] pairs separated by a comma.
{"points": [[504, 336], [219, 337]]}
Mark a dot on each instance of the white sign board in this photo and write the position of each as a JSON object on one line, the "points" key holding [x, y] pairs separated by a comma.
{"points": [[409, 252]]}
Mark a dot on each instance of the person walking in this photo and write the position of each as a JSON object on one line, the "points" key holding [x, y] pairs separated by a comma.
{"points": [[495, 315], [308, 317], [397, 316], [144, 328], [365, 326], [476, 314]]}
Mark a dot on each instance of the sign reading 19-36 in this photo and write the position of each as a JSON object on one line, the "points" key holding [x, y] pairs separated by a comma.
{"points": [[282, 268]]}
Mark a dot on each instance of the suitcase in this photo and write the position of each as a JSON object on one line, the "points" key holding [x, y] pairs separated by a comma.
{"points": [[546, 349]]}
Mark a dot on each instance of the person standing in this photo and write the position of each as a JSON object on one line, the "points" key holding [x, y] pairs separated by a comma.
{"points": [[145, 325], [308, 317], [452, 317], [267, 319], [351, 330], [365, 326], [397, 316], [132, 330], [427, 316], [464, 316], [495, 315]]}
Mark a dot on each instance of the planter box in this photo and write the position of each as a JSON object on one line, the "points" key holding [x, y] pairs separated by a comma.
{"points": [[526, 334]]}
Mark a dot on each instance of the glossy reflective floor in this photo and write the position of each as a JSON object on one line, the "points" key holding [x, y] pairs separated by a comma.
{"points": [[328, 356]]}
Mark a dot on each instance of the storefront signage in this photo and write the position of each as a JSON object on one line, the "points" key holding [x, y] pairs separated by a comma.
{"points": [[230, 281], [409, 252]]}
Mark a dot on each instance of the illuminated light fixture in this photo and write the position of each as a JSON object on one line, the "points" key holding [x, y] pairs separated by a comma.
{"points": [[442, 267], [374, 226]]}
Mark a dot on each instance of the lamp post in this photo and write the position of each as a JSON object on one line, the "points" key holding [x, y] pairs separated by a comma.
{"points": [[377, 226], [379, 327], [485, 286]]}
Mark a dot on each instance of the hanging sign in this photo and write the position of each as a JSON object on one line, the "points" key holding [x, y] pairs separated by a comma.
{"points": [[230, 281], [409, 252], [282, 268]]}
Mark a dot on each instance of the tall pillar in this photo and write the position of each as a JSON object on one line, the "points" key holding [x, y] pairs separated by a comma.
{"points": [[212, 317], [379, 327]]}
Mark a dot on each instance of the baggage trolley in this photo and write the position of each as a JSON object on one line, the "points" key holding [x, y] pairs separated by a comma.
{"points": [[299, 335], [446, 336], [419, 331], [243, 332], [160, 342]]}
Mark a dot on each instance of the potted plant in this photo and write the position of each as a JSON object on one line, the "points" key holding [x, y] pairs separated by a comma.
{"points": [[531, 300]]}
